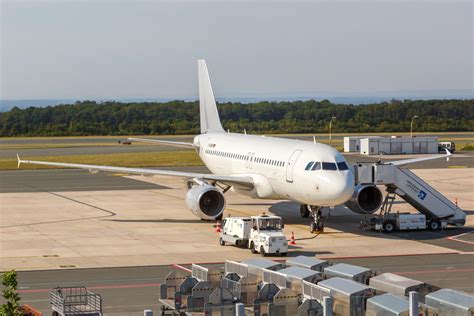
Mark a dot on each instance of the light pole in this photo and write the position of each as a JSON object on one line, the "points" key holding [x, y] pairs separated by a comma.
{"points": [[330, 129], [411, 125]]}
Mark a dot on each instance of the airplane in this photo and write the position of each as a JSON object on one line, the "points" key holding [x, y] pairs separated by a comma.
{"points": [[314, 175]]}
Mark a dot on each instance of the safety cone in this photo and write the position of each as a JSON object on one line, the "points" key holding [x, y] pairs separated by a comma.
{"points": [[292, 239], [218, 227]]}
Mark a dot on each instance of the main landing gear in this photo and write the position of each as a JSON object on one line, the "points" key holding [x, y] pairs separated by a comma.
{"points": [[319, 215]]}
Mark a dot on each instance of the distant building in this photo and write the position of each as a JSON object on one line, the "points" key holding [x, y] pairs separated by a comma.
{"points": [[394, 145]]}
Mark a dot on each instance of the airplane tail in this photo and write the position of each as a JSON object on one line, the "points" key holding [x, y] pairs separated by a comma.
{"points": [[210, 122]]}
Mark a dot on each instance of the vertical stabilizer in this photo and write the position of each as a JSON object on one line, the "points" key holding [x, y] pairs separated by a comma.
{"points": [[210, 122]]}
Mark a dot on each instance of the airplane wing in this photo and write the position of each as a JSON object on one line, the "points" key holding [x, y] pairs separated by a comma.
{"points": [[163, 142], [408, 161], [243, 181]]}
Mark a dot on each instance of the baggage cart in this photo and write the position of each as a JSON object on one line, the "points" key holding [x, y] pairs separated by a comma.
{"points": [[75, 300]]}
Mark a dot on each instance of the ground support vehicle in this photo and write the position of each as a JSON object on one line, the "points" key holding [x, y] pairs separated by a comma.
{"points": [[76, 300], [236, 231], [451, 146], [262, 234]]}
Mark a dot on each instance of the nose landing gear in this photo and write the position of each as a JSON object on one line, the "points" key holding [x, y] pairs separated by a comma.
{"points": [[319, 215]]}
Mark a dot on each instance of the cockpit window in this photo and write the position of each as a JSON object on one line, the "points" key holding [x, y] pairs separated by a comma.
{"points": [[309, 165], [316, 166], [342, 166], [329, 166]]}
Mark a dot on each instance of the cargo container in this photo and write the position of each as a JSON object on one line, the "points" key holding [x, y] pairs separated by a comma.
{"points": [[308, 263], [349, 271], [399, 285], [349, 296], [394, 305], [451, 302]]}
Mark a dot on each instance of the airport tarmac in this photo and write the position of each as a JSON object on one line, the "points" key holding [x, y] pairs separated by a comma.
{"points": [[119, 234], [51, 229], [130, 290]]}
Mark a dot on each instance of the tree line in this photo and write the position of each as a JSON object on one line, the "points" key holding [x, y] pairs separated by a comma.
{"points": [[85, 118]]}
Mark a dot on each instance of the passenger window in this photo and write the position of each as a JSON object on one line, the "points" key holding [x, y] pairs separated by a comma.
{"points": [[309, 165], [329, 166], [342, 166], [317, 166]]}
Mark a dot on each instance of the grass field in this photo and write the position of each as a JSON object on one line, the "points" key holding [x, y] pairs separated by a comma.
{"points": [[162, 159], [173, 157]]}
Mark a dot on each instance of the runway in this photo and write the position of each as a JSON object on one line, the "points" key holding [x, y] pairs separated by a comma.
{"points": [[130, 290]]}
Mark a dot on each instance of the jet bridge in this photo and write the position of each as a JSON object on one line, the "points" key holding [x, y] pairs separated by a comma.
{"points": [[439, 210]]}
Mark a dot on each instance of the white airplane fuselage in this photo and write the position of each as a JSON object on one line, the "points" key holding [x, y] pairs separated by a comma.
{"points": [[278, 167]]}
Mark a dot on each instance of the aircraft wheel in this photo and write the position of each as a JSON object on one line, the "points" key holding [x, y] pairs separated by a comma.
{"points": [[304, 212]]}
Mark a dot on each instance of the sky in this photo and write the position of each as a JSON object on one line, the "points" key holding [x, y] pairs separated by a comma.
{"points": [[149, 49]]}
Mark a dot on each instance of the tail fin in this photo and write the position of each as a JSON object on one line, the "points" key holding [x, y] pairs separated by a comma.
{"points": [[210, 122]]}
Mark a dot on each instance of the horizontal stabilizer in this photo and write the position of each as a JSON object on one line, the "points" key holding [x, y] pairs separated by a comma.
{"points": [[163, 142]]}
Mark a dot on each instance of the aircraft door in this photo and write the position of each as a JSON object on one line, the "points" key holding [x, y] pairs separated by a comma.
{"points": [[291, 165], [250, 159]]}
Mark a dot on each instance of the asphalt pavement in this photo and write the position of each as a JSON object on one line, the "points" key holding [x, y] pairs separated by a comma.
{"points": [[130, 290]]}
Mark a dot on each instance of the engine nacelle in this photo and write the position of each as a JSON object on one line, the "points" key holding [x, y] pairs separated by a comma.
{"points": [[366, 199], [205, 201]]}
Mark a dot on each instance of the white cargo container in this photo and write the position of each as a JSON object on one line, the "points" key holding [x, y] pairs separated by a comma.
{"points": [[349, 296], [349, 271], [352, 143], [451, 302], [398, 145], [394, 305], [307, 262], [399, 285]]}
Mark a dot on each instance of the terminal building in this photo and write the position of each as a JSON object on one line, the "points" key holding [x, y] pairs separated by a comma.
{"points": [[391, 145]]}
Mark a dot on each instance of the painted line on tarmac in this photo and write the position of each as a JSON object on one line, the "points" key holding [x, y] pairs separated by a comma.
{"points": [[397, 255], [178, 266], [99, 287], [455, 238], [433, 271]]}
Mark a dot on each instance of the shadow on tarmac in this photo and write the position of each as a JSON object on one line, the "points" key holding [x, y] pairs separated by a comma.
{"points": [[165, 220]]}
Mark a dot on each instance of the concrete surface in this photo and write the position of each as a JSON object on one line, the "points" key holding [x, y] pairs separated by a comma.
{"points": [[128, 291], [85, 229]]}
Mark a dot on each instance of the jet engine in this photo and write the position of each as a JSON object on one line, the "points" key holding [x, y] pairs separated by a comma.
{"points": [[206, 202], [365, 200]]}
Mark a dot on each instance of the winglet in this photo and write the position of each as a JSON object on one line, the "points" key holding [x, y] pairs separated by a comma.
{"points": [[448, 154], [19, 161]]}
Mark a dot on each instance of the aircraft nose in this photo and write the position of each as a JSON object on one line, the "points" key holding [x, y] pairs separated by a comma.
{"points": [[343, 187]]}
